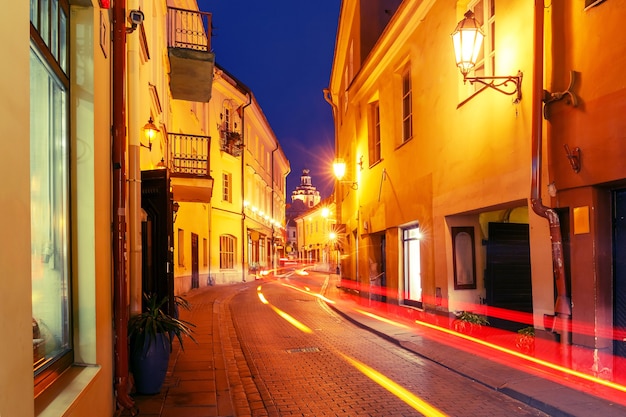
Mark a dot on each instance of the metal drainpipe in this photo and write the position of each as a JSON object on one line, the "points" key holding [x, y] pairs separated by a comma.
{"points": [[562, 306], [273, 214], [134, 169], [244, 237], [120, 280], [329, 99]]}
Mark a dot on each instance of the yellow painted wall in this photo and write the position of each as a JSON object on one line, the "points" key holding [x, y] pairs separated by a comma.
{"points": [[460, 161], [16, 369]]}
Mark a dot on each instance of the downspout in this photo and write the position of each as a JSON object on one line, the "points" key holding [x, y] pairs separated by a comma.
{"points": [[120, 280], [273, 214], [329, 99], [244, 236], [562, 306], [134, 170]]}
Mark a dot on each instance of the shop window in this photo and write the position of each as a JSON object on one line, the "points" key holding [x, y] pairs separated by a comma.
{"points": [[412, 266], [50, 191]]}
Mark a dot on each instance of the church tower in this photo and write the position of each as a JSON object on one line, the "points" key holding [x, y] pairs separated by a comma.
{"points": [[306, 192]]}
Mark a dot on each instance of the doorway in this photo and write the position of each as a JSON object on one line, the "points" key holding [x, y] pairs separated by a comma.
{"points": [[507, 275], [619, 284], [195, 274]]}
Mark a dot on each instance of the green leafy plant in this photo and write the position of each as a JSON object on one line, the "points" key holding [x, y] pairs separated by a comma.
{"points": [[525, 340], [468, 322], [527, 331], [143, 328], [473, 318]]}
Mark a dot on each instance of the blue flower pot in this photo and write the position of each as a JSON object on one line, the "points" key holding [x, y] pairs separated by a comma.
{"points": [[148, 364]]}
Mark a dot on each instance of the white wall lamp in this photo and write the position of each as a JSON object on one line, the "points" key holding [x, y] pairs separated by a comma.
{"points": [[339, 169], [150, 130], [468, 39]]}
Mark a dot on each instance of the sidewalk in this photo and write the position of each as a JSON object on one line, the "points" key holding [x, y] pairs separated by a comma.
{"points": [[549, 396]]}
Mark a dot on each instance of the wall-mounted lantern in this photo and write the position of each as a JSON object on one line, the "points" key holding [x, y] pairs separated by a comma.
{"points": [[339, 169], [468, 39], [150, 130]]}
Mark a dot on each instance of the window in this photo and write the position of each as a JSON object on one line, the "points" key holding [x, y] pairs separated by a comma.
{"points": [[407, 112], [50, 190], [181, 247], [412, 271], [227, 123], [227, 252], [485, 13], [205, 252], [227, 191], [374, 136]]}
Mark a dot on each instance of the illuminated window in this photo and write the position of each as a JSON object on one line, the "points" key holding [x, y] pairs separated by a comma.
{"points": [[227, 252], [50, 190], [412, 269], [374, 134], [407, 110]]}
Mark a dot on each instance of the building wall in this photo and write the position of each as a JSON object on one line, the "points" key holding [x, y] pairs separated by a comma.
{"points": [[16, 377], [595, 126], [460, 162], [90, 222], [469, 160]]}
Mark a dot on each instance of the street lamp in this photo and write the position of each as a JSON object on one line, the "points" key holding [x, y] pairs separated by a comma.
{"points": [[339, 169], [468, 39], [150, 130]]}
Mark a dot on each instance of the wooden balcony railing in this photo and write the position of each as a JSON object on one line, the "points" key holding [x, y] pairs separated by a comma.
{"points": [[189, 155]]}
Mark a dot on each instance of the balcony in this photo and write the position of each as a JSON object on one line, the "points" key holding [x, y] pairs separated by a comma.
{"points": [[188, 160], [190, 55], [231, 143]]}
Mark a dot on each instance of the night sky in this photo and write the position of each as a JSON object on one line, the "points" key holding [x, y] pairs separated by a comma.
{"points": [[283, 50]]}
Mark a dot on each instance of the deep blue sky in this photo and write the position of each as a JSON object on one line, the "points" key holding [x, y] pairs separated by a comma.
{"points": [[283, 50]]}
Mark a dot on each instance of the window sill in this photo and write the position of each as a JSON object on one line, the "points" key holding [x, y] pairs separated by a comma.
{"points": [[57, 399]]}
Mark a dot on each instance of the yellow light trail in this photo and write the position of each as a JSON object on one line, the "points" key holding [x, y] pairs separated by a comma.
{"points": [[537, 361], [405, 395], [320, 296], [290, 319], [383, 319]]}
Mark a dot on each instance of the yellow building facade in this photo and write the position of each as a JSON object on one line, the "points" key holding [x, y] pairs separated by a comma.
{"points": [[101, 213], [450, 192]]}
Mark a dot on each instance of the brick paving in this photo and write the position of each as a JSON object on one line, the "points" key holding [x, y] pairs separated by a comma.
{"points": [[221, 377]]}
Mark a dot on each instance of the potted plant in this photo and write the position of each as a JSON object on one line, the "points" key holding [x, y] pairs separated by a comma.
{"points": [[151, 336], [525, 340], [468, 322]]}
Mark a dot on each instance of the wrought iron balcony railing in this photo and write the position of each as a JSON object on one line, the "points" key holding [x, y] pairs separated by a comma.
{"points": [[231, 142], [189, 29], [189, 50], [189, 155]]}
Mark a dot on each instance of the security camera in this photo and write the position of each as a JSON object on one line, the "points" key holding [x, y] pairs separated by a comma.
{"points": [[136, 17]]}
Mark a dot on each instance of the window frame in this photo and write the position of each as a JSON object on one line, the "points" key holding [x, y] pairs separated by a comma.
{"points": [[406, 104], [50, 47], [227, 251], [227, 189], [375, 155], [411, 273], [486, 62]]}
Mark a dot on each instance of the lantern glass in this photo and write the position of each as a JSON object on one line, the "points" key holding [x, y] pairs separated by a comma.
{"points": [[468, 40], [339, 168]]}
